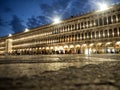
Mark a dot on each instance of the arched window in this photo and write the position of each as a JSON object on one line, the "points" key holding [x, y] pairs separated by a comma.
{"points": [[105, 21], [110, 33], [85, 24], [100, 21], [115, 32], [79, 36], [69, 27], [106, 33], [75, 26], [72, 27], [78, 26], [101, 33], [75, 37], [96, 21], [89, 35], [97, 34], [93, 35], [109, 20], [82, 25], [86, 35], [118, 17], [88, 24], [114, 19], [92, 23], [82, 36]]}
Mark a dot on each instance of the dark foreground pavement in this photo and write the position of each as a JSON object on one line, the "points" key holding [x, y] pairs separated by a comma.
{"points": [[102, 76]]}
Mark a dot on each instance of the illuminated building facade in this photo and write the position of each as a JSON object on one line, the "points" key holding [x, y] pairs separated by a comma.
{"points": [[90, 33]]}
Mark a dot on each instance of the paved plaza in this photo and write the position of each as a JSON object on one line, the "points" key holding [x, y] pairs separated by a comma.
{"points": [[57, 72]]}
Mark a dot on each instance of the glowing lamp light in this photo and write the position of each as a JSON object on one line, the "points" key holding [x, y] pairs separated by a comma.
{"points": [[26, 30], [56, 20], [10, 35], [103, 6]]}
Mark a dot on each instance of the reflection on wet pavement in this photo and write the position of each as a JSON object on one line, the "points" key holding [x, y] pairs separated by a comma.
{"points": [[57, 72]]}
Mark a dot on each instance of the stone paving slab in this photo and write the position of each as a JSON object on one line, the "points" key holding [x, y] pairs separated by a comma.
{"points": [[103, 76]]}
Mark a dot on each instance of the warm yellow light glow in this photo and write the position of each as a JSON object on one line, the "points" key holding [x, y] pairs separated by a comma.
{"points": [[66, 46], [47, 47], [83, 45], [103, 6], [118, 43], [77, 45], [61, 48], [56, 20], [71, 46], [51, 47], [91, 44]]}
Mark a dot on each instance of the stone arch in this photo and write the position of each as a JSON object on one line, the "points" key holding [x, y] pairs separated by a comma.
{"points": [[110, 47], [117, 47], [78, 49]]}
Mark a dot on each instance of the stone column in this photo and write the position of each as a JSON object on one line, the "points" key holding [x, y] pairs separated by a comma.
{"points": [[116, 18], [8, 48], [111, 19], [107, 20]]}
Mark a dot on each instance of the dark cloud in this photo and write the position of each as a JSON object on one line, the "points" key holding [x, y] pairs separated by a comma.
{"points": [[7, 10], [37, 21], [56, 8], [1, 22], [16, 24], [61, 8], [66, 8]]}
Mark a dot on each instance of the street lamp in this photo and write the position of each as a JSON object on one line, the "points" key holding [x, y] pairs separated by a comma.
{"points": [[9, 35], [56, 20], [26, 30], [103, 6]]}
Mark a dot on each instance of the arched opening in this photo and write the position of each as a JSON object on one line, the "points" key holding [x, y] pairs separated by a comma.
{"points": [[93, 35], [100, 21], [78, 51], [110, 33], [96, 21], [117, 47], [109, 20], [97, 34], [101, 33], [106, 33], [114, 19], [109, 47], [115, 32], [105, 21], [71, 51], [118, 17]]}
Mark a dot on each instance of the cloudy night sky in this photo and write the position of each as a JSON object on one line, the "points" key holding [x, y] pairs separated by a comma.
{"points": [[16, 15]]}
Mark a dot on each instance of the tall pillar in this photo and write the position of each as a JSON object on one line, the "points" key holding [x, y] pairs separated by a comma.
{"points": [[8, 48], [116, 18], [107, 20], [111, 19]]}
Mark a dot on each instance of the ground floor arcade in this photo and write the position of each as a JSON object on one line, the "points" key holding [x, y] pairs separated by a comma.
{"points": [[93, 48]]}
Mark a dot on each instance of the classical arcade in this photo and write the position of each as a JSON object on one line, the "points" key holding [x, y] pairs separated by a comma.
{"points": [[96, 32]]}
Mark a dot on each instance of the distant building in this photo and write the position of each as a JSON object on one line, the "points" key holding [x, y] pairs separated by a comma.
{"points": [[94, 32]]}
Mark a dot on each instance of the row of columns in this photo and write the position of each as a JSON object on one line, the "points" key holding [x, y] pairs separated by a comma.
{"points": [[114, 32], [71, 49], [75, 25]]}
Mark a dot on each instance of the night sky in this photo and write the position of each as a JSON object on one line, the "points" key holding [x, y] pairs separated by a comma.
{"points": [[16, 15]]}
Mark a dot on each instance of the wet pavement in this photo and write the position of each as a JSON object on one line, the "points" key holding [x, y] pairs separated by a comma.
{"points": [[57, 72]]}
